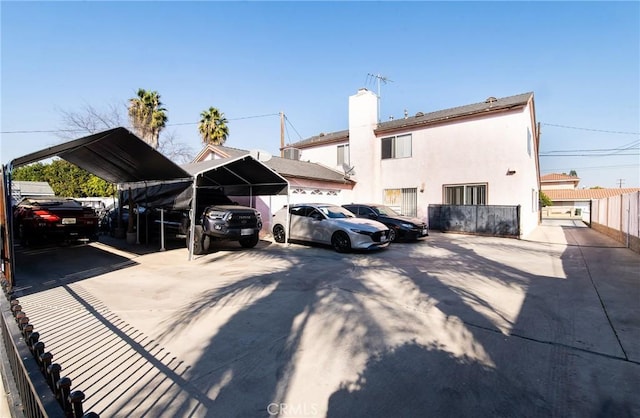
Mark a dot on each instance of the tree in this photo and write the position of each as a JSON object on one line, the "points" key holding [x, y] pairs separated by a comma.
{"points": [[89, 120], [545, 200], [147, 116], [176, 151], [573, 173], [66, 179], [213, 127]]}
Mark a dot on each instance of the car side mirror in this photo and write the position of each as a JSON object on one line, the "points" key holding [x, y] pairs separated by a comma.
{"points": [[373, 216], [316, 216]]}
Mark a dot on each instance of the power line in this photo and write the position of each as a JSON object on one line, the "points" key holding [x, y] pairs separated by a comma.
{"points": [[292, 127], [168, 125], [590, 155], [634, 144], [553, 170], [590, 129]]}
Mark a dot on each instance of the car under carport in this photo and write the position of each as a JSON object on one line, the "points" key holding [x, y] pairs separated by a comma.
{"points": [[147, 177]]}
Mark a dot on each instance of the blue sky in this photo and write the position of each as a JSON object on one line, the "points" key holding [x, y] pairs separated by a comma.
{"points": [[254, 59]]}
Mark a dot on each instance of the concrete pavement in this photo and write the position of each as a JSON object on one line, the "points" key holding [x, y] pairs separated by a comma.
{"points": [[453, 325]]}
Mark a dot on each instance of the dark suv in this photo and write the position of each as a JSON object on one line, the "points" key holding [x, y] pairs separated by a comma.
{"points": [[218, 218], [400, 227], [227, 222]]}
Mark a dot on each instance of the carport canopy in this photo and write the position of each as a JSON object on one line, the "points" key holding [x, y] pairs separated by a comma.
{"points": [[119, 156], [116, 155]]}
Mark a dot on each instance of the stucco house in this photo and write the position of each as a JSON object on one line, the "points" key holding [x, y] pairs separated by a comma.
{"points": [[484, 153]]}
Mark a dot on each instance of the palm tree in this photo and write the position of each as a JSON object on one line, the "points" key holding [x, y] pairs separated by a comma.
{"points": [[147, 116], [213, 127]]}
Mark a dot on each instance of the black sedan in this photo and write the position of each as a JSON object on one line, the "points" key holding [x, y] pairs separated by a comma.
{"points": [[54, 218], [400, 227]]}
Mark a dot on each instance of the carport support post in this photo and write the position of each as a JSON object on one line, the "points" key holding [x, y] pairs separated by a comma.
{"points": [[138, 224], [192, 215], [162, 230], [287, 217]]}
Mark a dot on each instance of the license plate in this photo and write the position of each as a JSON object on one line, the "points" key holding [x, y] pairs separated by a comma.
{"points": [[68, 221], [424, 232], [246, 231], [383, 238]]}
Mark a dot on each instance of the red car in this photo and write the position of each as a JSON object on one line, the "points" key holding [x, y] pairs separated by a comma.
{"points": [[54, 219]]}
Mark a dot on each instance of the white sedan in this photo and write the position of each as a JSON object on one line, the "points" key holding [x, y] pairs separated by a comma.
{"points": [[329, 224]]}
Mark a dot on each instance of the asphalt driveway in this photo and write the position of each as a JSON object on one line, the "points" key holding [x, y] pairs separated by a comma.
{"points": [[454, 325]]}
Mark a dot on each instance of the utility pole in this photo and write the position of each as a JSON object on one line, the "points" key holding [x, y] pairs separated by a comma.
{"points": [[282, 134], [379, 78], [620, 183]]}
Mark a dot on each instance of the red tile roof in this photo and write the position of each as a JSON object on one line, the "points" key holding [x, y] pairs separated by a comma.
{"points": [[587, 194], [558, 177]]}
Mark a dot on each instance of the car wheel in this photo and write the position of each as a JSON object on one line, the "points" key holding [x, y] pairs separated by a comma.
{"points": [[340, 242], [199, 241], [279, 234], [250, 242], [392, 235]]}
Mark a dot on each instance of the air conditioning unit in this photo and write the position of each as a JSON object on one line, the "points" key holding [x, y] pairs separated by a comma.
{"points": [[291, 153]]}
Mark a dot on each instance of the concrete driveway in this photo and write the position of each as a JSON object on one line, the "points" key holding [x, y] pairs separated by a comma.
{"points": [[454, 325]]}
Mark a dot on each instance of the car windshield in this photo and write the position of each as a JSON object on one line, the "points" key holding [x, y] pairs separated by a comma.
{"points": [[335, 212], [385, 210]]}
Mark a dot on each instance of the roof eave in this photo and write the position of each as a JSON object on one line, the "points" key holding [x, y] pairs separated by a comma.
{"points": [[446, 119]]}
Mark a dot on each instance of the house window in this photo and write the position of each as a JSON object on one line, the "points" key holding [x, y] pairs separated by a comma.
{"points": [[404, 200], [343, 154], [396, 147], [465, 194]]}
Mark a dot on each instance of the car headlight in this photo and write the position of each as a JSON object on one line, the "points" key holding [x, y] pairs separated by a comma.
{"points": [[408, 226], [360, 231], [215, 214]]}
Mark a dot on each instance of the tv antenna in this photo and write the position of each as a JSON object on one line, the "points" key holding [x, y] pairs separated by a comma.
{"points": [[379, 78]]}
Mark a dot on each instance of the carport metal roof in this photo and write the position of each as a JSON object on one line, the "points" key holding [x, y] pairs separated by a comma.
{"points": [[241, 176], [119, 156], [116, 155]]}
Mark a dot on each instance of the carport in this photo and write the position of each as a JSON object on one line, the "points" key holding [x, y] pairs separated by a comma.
{"points": [[118, 156], [241, 176]]}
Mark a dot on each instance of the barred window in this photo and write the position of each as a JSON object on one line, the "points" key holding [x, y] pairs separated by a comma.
{"points": [[465, 194]]}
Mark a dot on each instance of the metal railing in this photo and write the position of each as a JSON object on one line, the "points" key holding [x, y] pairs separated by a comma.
{"points": [[43, 393]]}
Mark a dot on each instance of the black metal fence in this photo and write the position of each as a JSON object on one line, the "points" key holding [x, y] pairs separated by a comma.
{"points": [[503, 221], [43, 393]]}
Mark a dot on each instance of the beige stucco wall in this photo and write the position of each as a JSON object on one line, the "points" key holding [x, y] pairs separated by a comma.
{"points": [[560, 185], [479, 150]]}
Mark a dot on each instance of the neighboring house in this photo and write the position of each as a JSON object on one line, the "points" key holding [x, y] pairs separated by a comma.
{"points": [[556, 181], [480, 154], [307, 181], [571, 202], [22, 189]]}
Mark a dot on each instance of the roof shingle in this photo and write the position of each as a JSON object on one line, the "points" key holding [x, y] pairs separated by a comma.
{"points": [[422, 119], [286, 167]]}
